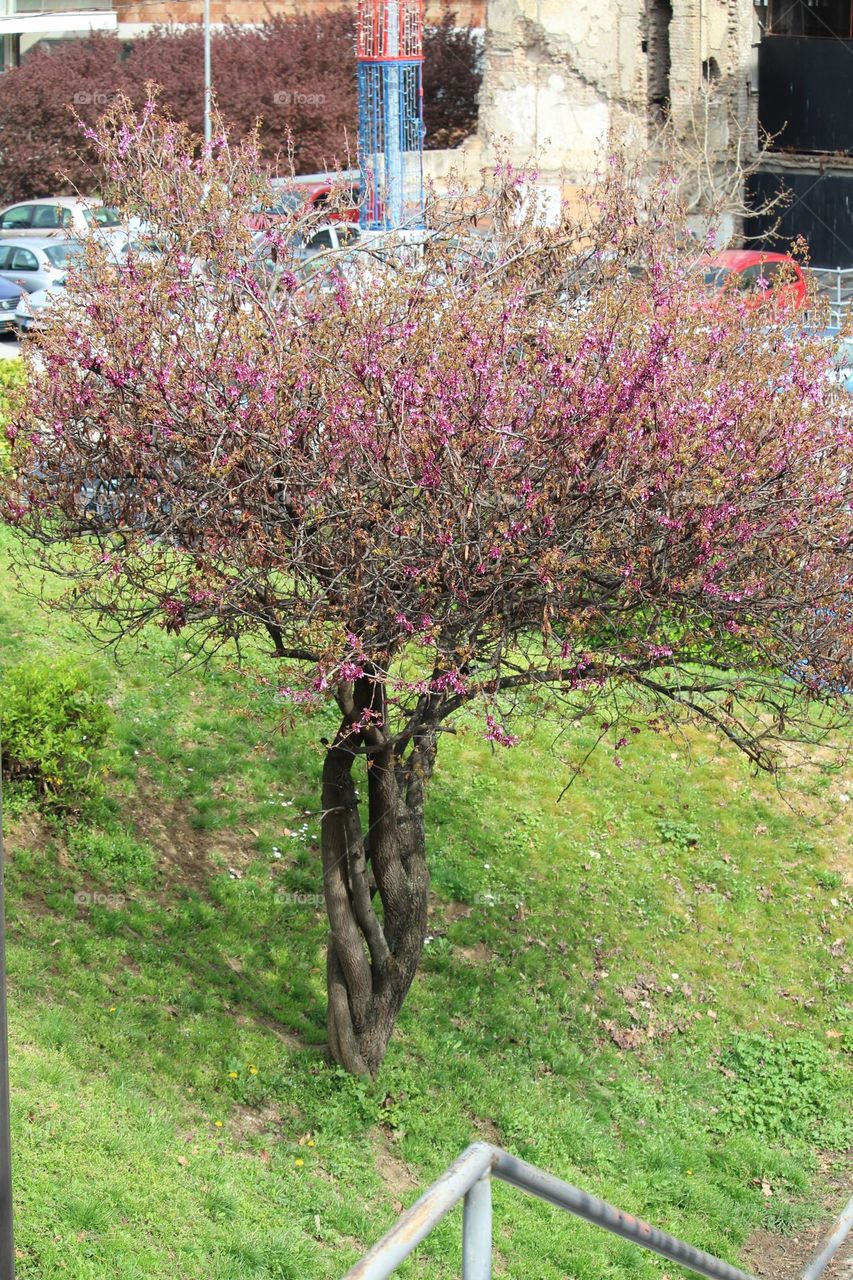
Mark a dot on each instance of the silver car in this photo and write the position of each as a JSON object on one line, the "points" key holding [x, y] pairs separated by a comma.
{"points": [[32, 306], [58, 216], [37, 264]]}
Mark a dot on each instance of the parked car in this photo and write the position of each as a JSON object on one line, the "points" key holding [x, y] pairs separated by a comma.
{"points": [[10, 296], [59, 216], [314, 190], [767, 279], [334, 237], [36, 263], [32, 306]]}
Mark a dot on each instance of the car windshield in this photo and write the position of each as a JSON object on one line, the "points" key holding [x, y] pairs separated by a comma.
{"points": [[288, 202], [103, 215], [106, 217], [60, 255], [716, 277]]}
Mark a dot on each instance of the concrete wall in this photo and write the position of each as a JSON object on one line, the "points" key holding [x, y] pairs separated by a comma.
{"points": [[568, 78]]}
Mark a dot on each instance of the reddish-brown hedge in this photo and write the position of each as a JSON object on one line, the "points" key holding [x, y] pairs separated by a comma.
{"points": [[297, 75]]}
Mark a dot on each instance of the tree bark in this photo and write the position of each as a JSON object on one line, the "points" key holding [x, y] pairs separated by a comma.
{"points": [[375, 884]]}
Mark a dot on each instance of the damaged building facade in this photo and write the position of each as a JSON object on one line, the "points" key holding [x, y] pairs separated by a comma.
{"points": [[726, 85], [565, 78]]}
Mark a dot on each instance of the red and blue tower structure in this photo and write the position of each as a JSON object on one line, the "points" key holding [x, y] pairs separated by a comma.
{"points": [[390, 113]]}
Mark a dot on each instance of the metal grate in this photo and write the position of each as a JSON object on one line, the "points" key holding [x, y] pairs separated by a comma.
{"points": [[392, 30], [835, 284], [390, 138], [389, 48]]}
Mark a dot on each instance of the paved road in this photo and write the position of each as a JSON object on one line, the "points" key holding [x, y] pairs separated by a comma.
{"points": [[10, 347]]}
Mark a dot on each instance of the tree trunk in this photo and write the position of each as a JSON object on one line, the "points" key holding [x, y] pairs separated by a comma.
{"points": [[376, 886]]}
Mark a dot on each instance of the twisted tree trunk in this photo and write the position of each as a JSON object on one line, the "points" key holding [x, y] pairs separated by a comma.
{"points": [[375, 882]]}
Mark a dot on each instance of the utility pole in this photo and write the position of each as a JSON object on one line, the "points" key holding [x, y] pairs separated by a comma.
{"points": [[7, 1239], [207, 72]]}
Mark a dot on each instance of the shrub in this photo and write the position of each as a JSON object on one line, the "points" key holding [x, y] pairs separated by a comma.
{"points": [[54, 722], [12, 375], [302, 89]]}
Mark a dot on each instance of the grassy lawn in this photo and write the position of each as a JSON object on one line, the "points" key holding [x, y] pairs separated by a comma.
{"points": [[643, 988]]}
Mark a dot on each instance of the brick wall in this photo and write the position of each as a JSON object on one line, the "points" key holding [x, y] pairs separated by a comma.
{"points": [[469, 12]]}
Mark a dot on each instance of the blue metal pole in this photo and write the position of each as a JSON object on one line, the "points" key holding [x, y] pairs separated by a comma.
{"points": [[390, 113], [394, 108]]}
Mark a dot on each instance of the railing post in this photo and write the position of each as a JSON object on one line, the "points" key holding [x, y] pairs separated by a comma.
{"points": [[841, 1229], [477, 1231]]}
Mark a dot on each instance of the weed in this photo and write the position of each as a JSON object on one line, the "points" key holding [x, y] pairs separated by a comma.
{"points": [[794, 1087]]}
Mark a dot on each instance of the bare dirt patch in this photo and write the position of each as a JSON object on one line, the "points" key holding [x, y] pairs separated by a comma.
{"points": [[187, 856], [454, 911], [399, 1181], [255, 1122], [31, 833], [784, 1257], [478, 954], [486, 1130]]}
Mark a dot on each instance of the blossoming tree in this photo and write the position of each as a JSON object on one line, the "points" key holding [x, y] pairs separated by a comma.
{"points": [[538, 467]]}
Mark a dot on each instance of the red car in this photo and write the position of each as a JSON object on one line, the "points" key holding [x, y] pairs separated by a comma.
{"points": [[774, 279], [313, 190]]}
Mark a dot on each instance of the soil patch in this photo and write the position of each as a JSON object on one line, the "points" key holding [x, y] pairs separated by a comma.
{"points": [[784, 1257], [187, 856], [395, 1174]]}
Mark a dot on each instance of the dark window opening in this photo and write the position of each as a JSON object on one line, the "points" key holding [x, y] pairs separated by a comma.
{"points": [[710, 70], [812, 18], [658, 20]]}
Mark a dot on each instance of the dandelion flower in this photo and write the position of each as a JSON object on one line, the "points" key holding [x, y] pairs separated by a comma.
{"points": [[218, 1124], [232, 1075], [253, 1070], [298, 1162]]}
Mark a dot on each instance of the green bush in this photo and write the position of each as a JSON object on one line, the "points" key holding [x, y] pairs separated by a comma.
{"points": [[53, 722], [12, 375]]}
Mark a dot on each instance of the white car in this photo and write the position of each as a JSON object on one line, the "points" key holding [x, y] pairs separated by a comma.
{"points": [[59, 216], [32, 306]]}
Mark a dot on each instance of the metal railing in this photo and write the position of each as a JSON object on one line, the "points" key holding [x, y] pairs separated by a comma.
{"points": [[835, 284], [469, 1179]]}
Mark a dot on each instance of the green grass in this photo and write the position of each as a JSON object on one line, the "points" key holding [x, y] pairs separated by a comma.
{"points": [[600, 979]]}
